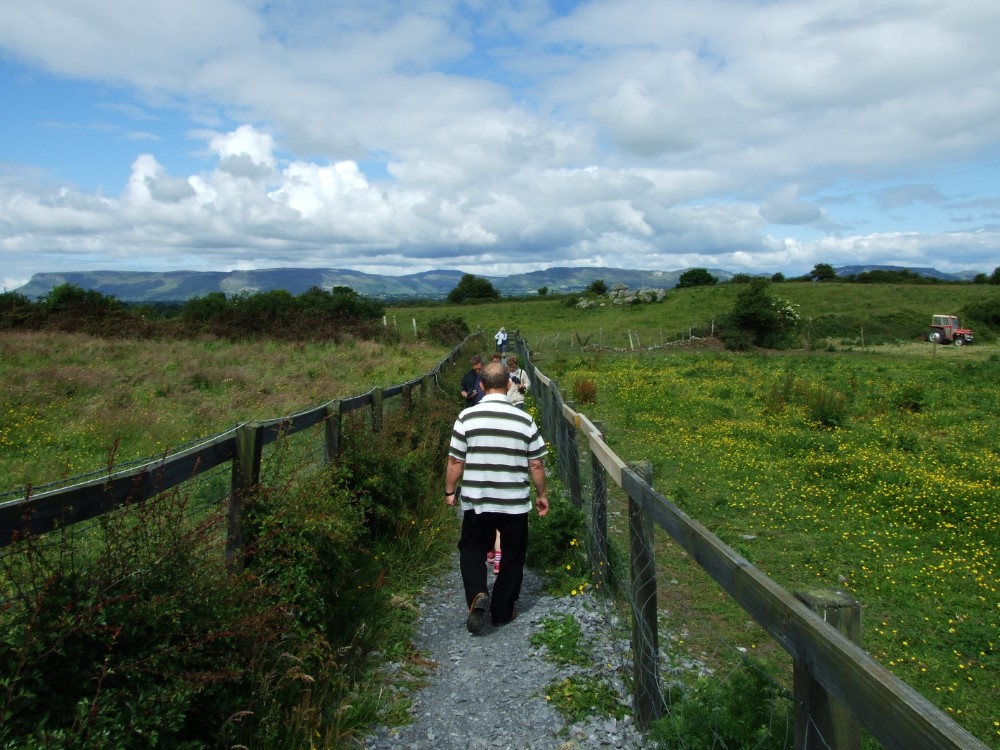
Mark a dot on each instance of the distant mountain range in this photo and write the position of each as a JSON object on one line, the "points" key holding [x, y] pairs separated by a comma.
{"points": [[173, 286]]}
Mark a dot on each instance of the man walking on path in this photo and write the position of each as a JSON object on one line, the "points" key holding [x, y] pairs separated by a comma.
{"points": [[470, 388], [495, 455]]}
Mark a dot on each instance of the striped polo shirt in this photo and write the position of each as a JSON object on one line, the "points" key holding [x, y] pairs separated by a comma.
{"points": [[495, 439]]}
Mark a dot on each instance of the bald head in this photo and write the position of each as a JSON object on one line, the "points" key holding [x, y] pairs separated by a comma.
{"points": [[495, 377]]}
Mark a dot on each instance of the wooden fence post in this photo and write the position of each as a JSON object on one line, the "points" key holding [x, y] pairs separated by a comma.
{"points": [[599, 522], [822, 722], [377, 410], [245, 477], [407, 395], [332, 426], [645, 642]]}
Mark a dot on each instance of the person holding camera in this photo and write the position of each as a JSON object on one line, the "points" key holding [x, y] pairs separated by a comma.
{"points": [[519, 383]]}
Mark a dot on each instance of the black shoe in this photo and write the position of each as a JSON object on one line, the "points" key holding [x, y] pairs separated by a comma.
{"points": [[476, 620], [497, 623]]}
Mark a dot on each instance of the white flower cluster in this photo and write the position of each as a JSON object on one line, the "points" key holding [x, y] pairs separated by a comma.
{"points": [[787, 311]]}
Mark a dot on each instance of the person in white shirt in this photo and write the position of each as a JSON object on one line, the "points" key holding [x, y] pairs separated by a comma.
{"points": [[501, 339], [496, 453], [519, 383]]}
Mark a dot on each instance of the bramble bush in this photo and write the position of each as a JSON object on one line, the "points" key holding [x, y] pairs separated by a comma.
{"points": [[132, 634]]}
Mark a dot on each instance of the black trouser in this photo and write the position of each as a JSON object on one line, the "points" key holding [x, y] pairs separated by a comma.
{"points": [[478, 534]]}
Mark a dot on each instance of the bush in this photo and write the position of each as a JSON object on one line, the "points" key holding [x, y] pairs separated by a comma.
{"points": [[756, 317], [153, 644], [138, 648], [555, 545], [448, 330], [746, 711], [585, 391]]}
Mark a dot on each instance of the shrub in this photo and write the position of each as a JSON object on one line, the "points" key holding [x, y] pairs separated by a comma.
{"points": [[146, 645], [910, 397], [736, 340], [746, 711], [555, 547], [448, 330], [143, 639], [826, 406], [585, 391]]}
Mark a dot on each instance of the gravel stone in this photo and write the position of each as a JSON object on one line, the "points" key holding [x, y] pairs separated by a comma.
{"points": [[487, 691]]}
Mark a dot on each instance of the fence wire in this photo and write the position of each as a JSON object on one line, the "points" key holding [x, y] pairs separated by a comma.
{"points": [[201, 501], [616, 340]]}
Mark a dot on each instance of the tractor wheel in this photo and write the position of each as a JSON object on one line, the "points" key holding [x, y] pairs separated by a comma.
{"points": [[934, 336], [959, 341]]}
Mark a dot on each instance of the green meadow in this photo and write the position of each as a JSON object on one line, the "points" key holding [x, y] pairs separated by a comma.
{"points": [[845, 314], [73, 403], [874, 472], [864, 458]]}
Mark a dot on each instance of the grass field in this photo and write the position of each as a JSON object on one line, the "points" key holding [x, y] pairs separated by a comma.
{"points": [[876, 472], [872, 468], [851, 314], [72, 403]]}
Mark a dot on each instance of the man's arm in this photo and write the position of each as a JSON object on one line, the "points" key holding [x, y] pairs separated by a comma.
{"points": [[536, 468], [452, 476]]}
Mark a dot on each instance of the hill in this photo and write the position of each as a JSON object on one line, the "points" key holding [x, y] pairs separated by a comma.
{"points": [[175, 286], [142, 286]]}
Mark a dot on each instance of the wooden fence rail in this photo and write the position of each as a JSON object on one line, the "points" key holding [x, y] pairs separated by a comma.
{"points": [[838, 687], [242, 446]]}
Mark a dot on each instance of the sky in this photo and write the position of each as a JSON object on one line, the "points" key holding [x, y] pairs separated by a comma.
{"points": [[498, 136]]}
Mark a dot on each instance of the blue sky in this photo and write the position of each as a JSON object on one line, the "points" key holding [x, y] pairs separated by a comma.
{"points": [[498, 137]]}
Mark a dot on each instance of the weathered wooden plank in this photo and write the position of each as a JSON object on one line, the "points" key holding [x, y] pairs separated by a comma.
{"points": [[355, 402], [46, 511], [894, 713], [392, 390]]}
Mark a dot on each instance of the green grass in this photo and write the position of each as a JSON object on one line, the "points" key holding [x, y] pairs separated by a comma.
{"points": [[899, 500], [877, 312], [897, 503], [72, 403], [140, 604]]}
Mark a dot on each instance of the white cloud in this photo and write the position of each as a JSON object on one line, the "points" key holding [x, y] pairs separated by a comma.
{"points": [[651, 132]]}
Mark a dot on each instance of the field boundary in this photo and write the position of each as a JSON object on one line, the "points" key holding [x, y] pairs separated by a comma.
{"points": [[241, 446], [838, 687]]}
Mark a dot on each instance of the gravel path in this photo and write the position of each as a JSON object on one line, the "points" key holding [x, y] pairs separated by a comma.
{"points": [[487, 692]]}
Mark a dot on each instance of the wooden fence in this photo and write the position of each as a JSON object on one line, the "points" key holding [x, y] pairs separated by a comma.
{"points": [[838, 688], [242, 446]]}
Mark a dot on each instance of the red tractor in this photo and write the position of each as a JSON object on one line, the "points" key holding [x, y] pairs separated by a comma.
{"points": [[945, 329]]}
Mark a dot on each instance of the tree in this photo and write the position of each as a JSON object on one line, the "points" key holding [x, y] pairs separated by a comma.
{"points": [[778, 277], [823, 272], [995, 276], [542, 291], [759, 319], [740, 278], [70, 298], [696, 277], [597, 286], [473, 288]]}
